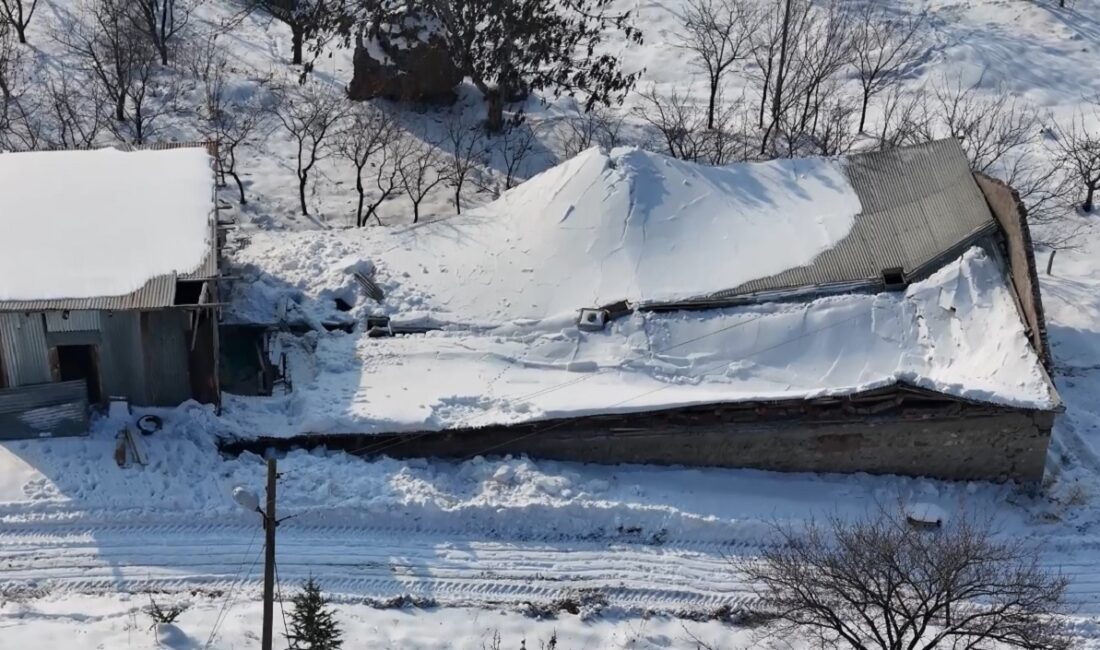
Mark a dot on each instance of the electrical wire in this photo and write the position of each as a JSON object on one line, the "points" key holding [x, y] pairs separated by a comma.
{"points": [[230, 597]]}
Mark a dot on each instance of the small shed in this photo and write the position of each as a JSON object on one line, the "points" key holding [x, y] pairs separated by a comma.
{"points": [[108, 283]]}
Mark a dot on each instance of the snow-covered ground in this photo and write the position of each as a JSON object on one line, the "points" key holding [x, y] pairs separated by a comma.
{"points": [[491, 541]]}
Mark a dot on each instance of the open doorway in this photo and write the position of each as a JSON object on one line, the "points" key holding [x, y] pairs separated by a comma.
{"points": [[81, 362]]}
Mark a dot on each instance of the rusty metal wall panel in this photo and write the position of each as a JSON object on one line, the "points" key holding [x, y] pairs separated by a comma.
{"points": [[25, 352], [44, 410], [72, 321], [122, 364], [164, 336]]}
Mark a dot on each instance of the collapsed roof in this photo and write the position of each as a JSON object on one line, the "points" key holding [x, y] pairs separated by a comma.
{"points": [[505, 283]]}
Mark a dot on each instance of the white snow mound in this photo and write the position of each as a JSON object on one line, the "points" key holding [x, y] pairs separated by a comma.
{"points": [[600, 228], [82, 224]]}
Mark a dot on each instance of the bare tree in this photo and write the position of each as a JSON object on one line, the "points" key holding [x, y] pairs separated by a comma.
{"points": [[598, 126], [72, 114], [679, 123], [904, 118], [102, 35], [514, 145], [310, 114], [162, 21], [880, 582], [301, 16], [150, 96], [884, 46], [228, 124], [817, 51], [11, 63], [1078, 150], [370, 131], [387, 166], [990, 129], [680, 127], [467, 148], [419, 168], [718, 33], [18, 14]]}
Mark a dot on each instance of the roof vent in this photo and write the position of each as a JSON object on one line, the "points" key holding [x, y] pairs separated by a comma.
{"points": [[893, 279], [592, 320]]}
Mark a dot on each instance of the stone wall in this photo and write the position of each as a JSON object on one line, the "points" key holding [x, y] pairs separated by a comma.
{"points": [[1010, 212], [994, 446]]}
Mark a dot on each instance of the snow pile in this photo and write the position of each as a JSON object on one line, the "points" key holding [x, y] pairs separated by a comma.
{"points": [[598, 229], [81, 224], [957, 332]]}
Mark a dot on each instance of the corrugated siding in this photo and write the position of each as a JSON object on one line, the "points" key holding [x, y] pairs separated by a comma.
{"points": [[122, 366], [59, 409], [25, 353], [158, 292], [917, 203], [167, 370], [73, 321]]}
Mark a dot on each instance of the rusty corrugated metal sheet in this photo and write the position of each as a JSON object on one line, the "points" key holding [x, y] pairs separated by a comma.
{"points": [[25, 353], [918, 202], [54, 409], [122, 361]]}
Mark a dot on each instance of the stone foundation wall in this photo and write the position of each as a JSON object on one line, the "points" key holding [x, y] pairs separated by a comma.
{"points": [[1011, 445]]}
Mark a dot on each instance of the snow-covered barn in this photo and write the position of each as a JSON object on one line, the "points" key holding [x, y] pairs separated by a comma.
{"points": [[878, 312], [108, 283]]}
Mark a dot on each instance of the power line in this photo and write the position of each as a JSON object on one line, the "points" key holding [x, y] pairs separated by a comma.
{"points": [[279, 591], [230, 597]]}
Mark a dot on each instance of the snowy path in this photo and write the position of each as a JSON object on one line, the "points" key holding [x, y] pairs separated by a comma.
{"points": [[364, 562], [357, 563]]}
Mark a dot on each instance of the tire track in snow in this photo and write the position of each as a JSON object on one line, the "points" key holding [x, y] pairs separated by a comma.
{"points": [[361, 563]]}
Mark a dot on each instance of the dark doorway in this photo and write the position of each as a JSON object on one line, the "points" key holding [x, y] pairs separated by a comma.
{"points": [[81, 362]]}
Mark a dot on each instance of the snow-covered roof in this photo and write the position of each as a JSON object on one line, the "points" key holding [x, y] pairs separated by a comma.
{"points": [[88, 224], [958, 333], [505, 283], [637, 226]]}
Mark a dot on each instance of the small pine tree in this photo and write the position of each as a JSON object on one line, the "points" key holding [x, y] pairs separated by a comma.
{"points": [[312, 623]]}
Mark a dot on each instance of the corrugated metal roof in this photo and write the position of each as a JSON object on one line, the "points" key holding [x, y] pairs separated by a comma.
{"points": [[918, 202], [156, 293]]}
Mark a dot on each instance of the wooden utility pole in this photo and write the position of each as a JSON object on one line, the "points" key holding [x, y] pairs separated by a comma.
{"points": [[270, 522]]}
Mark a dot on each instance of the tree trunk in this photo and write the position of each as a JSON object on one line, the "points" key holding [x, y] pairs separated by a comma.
{"points": [[494, 122], [120, 107], [713, 99], [297, 35], [1087, 207], [303, 177], [777, 100], [359, 222], [21, 31], [863, 113], [764, 93], [163, 49], [240, 186], [458, 198], [1050, 261], [416, 211]]}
